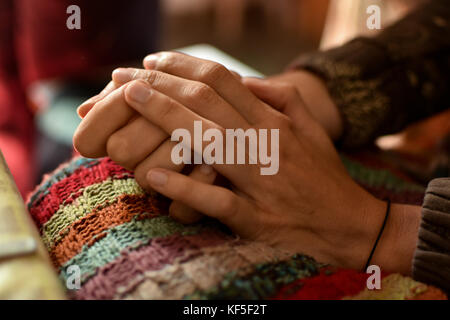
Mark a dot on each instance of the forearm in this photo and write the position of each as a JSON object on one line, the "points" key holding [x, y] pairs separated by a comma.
{"points": [[382, 84]]}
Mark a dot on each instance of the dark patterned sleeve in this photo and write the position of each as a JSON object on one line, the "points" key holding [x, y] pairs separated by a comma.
{"points": [[381, 84]]}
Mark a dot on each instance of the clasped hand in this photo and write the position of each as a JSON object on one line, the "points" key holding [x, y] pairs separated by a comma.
{"points": [[311, 205]]}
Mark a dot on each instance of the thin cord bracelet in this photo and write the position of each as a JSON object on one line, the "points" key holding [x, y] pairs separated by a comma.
{"points": [[388, 209]]}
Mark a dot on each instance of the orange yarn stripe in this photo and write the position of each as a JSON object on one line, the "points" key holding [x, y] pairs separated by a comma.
{"points": [[93, 226]]}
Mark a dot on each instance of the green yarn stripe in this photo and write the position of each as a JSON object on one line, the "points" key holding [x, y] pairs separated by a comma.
{"points": [[379, 177], [93, 197], [130, 235], [263, 282]]}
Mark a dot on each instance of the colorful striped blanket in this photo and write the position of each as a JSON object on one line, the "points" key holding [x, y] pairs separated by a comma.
{"points": [[92, 214]]}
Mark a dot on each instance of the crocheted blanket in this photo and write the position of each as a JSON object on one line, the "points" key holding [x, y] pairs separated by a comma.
{"points": [[92, 214]]}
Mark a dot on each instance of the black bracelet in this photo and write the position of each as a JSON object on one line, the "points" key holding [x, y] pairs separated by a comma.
{"points": [[388, 208]]}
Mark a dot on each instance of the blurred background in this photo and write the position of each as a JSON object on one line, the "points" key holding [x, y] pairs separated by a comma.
{"points": [[47, 70]]}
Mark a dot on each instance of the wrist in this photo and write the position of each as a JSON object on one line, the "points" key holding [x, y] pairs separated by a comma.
{"points": [[364, 218], [347, 236], [398, 242], [395, 248]]}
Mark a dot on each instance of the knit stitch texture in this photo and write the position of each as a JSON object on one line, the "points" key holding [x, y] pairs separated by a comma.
{"points": [[93, 214]]}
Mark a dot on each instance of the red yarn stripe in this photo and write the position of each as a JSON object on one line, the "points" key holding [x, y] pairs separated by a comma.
{"points": [[341, 283], [70, 188]]}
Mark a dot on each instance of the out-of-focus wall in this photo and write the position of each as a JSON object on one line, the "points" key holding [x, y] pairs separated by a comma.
{"points": [[265, 34], [347, 19]]}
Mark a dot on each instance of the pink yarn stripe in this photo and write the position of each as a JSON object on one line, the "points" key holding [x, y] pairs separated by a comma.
{"points": [[153, 256]]}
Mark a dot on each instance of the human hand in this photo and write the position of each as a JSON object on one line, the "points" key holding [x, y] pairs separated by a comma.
{"points": [[311, 205], [110, 127], [124, 142], [122, 138]]}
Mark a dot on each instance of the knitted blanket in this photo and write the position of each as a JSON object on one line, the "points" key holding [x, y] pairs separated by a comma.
{"points": [[91, 213]]}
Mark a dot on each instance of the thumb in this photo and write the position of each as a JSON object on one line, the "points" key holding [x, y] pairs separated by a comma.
{"points": [[281, 96], [266, 91], [86, 106]]}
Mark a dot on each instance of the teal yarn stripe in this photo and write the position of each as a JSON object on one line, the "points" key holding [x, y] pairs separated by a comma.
{"points": [[263, 282], [130, 235]]}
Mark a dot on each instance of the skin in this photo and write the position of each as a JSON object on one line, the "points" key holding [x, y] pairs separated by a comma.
{"points": [[311, 206]]}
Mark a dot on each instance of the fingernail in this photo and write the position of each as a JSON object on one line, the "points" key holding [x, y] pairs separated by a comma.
{"points": [[157, 178], [150, 61], [122, 75], [91, 99], [206, 169], [84, 109], [80, 112], [139, 92]]}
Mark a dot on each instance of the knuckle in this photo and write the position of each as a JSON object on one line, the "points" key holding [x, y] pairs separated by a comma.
{"points": [[177, 209], [168, 109], [222, 130], [166, 59], [140, 175], [292, 93], [117, 148], [174, 209], [213, 72], [183, 213], [200, 92], [290, 88], [151, 76], [85, 146], [78, 142], [228, 206], [281, 121]]}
